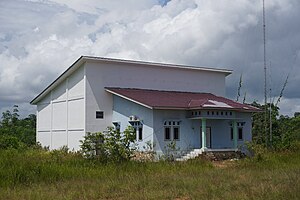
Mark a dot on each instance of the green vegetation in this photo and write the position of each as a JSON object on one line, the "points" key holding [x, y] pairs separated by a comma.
{"points": [[40, 174], [17, 133], [111, 146], [285, 129]]}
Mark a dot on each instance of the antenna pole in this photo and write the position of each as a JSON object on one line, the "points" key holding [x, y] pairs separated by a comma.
{"points": [[271, 136], [265, 70]]}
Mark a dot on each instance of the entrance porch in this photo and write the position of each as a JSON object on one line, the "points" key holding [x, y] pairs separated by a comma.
{"points": [[220, 130]]}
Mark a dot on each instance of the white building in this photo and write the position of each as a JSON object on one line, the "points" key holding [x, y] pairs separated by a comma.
{"points": [[164, 102]]}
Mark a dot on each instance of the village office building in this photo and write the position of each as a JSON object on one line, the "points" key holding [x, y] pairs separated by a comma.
{"points": [[163, 102]]}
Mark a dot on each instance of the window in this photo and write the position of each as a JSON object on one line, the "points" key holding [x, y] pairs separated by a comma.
{"points": [[240, 133], [141, 133], [138, 129], [176, 133], [172, 129], [134, 131], [167, 133], [117, 125], [99, 114]]}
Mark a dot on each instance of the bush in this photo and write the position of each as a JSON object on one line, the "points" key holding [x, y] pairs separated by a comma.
{"points": [[10, 142], [112, 146], [256, 151]]}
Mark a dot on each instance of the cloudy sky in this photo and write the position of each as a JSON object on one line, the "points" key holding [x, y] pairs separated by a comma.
{"points": [[39, 39]]}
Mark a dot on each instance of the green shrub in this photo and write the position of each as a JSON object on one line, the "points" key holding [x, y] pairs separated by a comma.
{"points": [[10, 142], [256, 151], [171, 151], [112, 145]]}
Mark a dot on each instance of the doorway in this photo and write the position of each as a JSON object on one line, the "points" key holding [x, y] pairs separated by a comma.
{"points": [[208, 137]]}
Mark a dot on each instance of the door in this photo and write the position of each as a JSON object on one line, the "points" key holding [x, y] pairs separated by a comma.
{"points": [[208, 137]]}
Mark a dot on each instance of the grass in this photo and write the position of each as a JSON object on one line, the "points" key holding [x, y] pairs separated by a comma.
{"points": [[37, 174]]}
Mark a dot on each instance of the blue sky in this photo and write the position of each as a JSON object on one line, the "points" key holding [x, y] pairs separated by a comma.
{"points": [[39, 39]]}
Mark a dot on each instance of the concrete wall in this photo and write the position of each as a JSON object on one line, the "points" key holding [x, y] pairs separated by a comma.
{"points": [[190, 130], [187, 133], [60, 114], [247, 128], [100, 75], [69, 110], [123, 109]]}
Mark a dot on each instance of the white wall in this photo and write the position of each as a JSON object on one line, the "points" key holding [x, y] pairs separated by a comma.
{"points": [[69, 110], [100, 75], [61, 114]]}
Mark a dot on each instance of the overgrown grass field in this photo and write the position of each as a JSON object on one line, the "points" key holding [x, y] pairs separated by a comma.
{"points": [[36, 174]]}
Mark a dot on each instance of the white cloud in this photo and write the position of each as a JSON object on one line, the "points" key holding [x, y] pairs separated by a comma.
{"points": [[40, 38]]}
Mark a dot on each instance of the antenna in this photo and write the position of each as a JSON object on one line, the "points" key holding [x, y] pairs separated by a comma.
{"points": [[271, 136], [265, 70]]}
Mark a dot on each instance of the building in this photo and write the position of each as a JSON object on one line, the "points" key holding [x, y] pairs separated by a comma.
{"points": [[163, 102]]}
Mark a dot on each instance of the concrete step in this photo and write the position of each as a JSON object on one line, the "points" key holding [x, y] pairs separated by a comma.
{"points": [[191, 155]]}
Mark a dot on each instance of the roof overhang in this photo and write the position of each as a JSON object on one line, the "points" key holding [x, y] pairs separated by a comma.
{"points": [[127, 98], [136, 99]]}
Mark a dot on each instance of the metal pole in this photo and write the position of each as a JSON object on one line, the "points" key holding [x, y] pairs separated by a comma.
{"points": [[265, 70]]}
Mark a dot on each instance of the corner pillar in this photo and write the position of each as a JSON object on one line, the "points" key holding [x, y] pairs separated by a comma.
{"points": [[203, 120]]}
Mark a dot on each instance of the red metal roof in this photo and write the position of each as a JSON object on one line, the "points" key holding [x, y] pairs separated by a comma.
{"points": [[179, 100]]}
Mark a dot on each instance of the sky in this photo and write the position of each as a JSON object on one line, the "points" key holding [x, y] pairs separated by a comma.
{"points": [[39, 39]]}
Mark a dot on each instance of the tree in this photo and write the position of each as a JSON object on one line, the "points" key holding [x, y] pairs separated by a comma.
{"points": [[285, 130], [13, 128]]}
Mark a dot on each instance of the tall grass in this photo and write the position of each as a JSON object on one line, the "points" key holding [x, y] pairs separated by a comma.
{"points": [[36, 174]]}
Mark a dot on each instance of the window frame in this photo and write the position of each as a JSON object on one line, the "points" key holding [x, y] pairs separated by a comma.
{"points": [[99, 114], [172, 125], [242, 134], [178, 128], [167, 127], [238, 133], [140, 135]]}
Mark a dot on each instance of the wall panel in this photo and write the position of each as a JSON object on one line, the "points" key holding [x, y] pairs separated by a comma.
{"points": [[44, 138], [59, 139], [59, 116], [76, 114], [59, 93], [76, 84], [44, 117], [73, 139]]}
